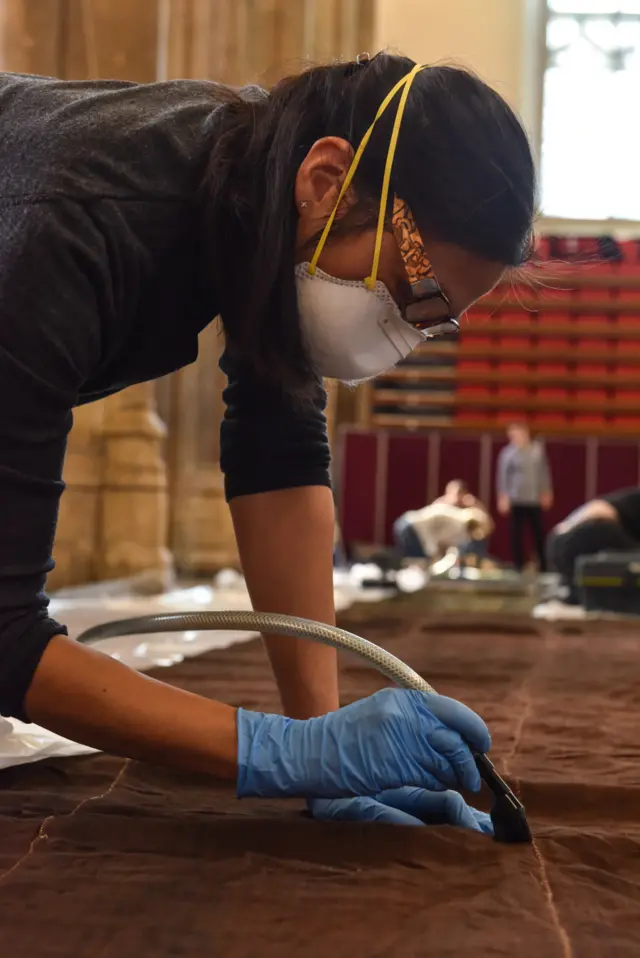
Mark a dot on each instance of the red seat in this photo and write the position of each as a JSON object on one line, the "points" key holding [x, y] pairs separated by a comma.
{"points": [[595, 294], [555, 297], [627, 423], [506, 366], [591, 395], [554, 317], [628, 396], [471, 366], [510, 343], [512, 392], [628, 321], [473, 341], [549, 419], [601, 268], [470, 417], [517, 317], [624, 347], [551, 392], [553, 369], [589, 419], [630, 250], [585, 320], [599, 345], [472, 391], [505, 416], [624, 295], [628, 269], [553, 342], [591, 369]]}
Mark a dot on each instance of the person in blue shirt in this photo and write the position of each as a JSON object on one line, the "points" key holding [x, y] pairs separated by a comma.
{"points": [[525, 491]]}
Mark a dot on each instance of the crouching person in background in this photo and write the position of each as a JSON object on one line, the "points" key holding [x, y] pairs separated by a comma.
{"points": [[441, 530]]}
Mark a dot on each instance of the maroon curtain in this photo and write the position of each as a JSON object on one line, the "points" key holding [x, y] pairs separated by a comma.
{"points": [[407, 478]]}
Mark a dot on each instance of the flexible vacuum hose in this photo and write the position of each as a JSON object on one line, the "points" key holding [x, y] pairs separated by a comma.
{"points": [[507, 814], [269, 623]]}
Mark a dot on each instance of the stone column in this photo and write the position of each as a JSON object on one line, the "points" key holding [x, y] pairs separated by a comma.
{"points": [[33, 40], [204, 39], [117, 38], [134, 497], [31, 36], [76, 546]]}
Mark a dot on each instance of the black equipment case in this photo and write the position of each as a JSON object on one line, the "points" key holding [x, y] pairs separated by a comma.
{"points": [[610, 582]]}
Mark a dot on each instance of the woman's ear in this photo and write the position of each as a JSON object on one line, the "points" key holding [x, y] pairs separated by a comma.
{"points": [[319, 180]]}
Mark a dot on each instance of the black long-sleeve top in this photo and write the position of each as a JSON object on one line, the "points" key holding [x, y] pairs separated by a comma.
{"points": [[102, 286]]}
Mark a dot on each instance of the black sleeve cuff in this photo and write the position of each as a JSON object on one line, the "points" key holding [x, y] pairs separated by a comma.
{"points": [[269, 440], [22, 646]]}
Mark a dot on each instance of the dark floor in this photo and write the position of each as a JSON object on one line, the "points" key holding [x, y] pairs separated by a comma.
{"points": [[110, 859]]}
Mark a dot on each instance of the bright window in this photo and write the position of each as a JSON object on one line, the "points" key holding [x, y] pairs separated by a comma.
{"points": [[591, 110]]}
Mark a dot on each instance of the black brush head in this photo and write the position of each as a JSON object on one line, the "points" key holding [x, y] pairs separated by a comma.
{"points": [[508, 816], [509, 822]]}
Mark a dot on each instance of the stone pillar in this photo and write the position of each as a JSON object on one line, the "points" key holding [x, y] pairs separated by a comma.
{"points": [[33, 40], [76, 544], [204, 39], [117, 38], [134, 497], [110, 39], [31, 36]]}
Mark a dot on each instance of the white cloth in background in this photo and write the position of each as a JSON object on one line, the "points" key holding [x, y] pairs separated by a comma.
{"points": [[440, 527]]}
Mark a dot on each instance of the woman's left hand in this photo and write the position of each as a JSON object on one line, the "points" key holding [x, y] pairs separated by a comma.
{"points": [[404, 806]]}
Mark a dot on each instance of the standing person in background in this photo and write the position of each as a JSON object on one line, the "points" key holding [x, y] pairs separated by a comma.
{"points": [[524, 491]]}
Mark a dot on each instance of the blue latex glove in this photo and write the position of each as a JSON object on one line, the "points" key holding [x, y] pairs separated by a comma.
{"points": [[404, 806], [391, 739]]}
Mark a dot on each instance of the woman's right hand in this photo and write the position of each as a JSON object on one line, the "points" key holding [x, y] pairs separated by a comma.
{"points": [[391, 739]]}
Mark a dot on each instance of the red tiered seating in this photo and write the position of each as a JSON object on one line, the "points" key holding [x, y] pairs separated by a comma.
{"points": [[630, 250], [504, 416], [627, 347], [628, 321], [564, 354]]}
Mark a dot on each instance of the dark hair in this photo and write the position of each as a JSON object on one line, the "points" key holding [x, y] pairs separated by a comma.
{"points": [[463, 165], [461, 483]]}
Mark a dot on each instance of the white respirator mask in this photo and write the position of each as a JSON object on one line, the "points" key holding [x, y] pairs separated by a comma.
{"points": [[352, 333], [353, 329]]}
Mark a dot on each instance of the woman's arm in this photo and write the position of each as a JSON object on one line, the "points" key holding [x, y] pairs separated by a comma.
{"points": [[275, 457], [546, 483], [286, 546], [91, 698]]}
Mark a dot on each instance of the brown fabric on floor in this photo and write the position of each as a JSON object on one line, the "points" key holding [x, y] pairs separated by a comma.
{"points": [[107, 859]]}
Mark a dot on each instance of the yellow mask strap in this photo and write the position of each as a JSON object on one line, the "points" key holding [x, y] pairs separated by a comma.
{"points": [[370, 281], [405, 82]]}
